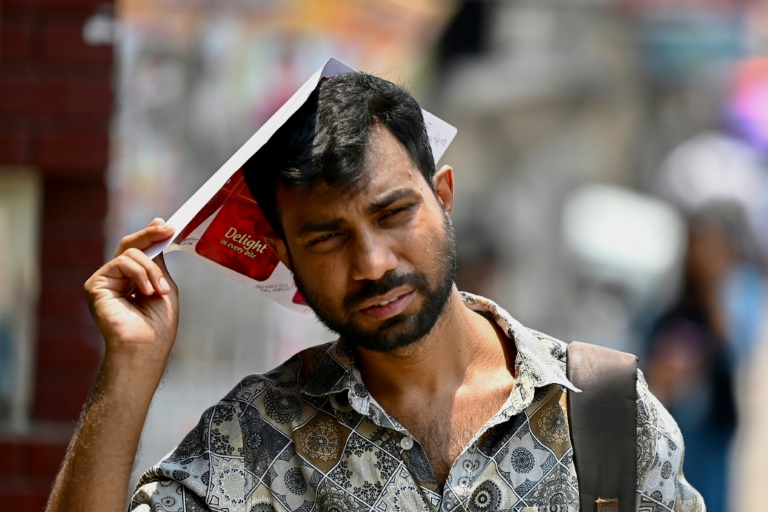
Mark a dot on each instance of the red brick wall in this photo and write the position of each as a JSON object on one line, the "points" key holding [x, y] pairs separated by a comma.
{"points": [[55, 108]]}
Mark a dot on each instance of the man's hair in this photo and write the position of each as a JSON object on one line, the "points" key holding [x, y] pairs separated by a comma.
{"points": [[326, 139]]}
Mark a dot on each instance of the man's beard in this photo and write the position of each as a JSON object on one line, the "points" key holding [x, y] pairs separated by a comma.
{"points": [[400, 330]]}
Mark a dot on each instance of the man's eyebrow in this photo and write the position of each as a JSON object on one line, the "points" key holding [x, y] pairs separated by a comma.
{"points": [[375, 207], [319, 226], [390, 198]]}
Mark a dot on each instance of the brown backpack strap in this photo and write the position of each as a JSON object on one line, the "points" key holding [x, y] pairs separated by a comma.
{"points": [[603, 426]]}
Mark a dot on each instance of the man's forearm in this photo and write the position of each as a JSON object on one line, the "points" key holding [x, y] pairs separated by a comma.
{"points": [[97, 467]]}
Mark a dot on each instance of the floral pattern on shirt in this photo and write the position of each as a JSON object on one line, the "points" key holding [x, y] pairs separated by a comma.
{"points": [[307, 436]]}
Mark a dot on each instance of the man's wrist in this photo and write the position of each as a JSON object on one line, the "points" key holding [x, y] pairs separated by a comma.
{"points": [[130, 376]]}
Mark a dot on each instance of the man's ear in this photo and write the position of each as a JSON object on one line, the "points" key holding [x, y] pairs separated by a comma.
{"points": [[277, 244], [443, 183]]}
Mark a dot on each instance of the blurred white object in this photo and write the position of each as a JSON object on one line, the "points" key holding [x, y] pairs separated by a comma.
{"points": [[623, 236], [712, 168], [625, 250]]}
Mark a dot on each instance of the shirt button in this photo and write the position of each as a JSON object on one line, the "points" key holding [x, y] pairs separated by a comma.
{"points": [[406, 443]]}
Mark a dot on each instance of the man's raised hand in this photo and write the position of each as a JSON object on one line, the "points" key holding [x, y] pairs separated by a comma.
{"points": [[135, 304], [134, 300]]}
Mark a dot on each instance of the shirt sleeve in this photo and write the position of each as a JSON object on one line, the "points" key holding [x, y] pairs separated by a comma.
{"points": [[661, 485], [210, 453]]}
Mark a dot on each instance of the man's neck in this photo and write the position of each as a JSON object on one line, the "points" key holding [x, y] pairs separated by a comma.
{"points": [[461, 345]]}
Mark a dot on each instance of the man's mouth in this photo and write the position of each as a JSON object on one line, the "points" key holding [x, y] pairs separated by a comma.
{"points": [[387, 302], [389, 307]]}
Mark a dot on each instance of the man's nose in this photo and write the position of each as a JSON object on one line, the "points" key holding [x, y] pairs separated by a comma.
{"points": [[371, 258]]}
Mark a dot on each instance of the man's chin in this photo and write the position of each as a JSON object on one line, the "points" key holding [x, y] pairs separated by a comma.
{"points": [[381, 345], [393, 334]]}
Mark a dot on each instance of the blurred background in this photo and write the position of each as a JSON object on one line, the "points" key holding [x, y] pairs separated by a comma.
{"points": [[611, 173]]}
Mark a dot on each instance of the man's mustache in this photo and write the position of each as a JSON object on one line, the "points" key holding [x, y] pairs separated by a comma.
{"points": [[385, 285]]}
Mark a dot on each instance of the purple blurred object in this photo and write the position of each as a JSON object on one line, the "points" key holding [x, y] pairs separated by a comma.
{"points": [[747, 105]]}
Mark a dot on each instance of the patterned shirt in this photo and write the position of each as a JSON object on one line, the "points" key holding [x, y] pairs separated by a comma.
{"points": [[308, 436]]}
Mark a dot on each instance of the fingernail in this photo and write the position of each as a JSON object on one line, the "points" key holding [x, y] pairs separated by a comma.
{"points": [[150, 287], [164, 285]]}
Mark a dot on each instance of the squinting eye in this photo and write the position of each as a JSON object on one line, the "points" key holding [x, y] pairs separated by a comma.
{"points": [[322, 239], [394, 212]]}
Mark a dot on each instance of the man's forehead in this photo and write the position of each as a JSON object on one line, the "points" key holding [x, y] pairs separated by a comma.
{"points": [[388, 174], [386, 166], [383, 144], [371, 189]]}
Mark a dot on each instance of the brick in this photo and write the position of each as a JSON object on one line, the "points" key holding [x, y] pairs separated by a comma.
{"points": [[62, 273], [76, 230], [44, 459], [14, 148], [61, 389], [70, 278], [84, 233], [77, 355], [84, 255], [58, 73], [69, 330], [60, 403], [89, 248], [24, 493], [67, 303], [62, 377], [86, 363], [56, 5], [17, 40], [31, 97], [72, 154], [18, 124], [75, 197], [80, 336], [19, 14], [54, 124], [11, 458], [75, 329], [63, 41], [71, 255], [72, 248]]}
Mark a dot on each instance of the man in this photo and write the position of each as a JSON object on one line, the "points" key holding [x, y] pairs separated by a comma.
{"points": [[430, 400]]}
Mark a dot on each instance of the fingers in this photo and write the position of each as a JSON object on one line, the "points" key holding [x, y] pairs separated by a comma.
{"points": [[139, 270], [133, 271], [160, 262], [159, 259], [156, 231]]}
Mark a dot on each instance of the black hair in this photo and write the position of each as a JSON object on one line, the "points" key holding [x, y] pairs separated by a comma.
{"points": [[325, 140]]}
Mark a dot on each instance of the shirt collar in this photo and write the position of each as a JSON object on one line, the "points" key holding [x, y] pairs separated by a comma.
{"points": [[540, 361]]}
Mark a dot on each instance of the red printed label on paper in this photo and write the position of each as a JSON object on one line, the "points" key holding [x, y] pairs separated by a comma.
{"points": [[236, 237], [298, 298]]}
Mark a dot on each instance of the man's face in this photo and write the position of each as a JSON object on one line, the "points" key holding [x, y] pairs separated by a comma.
{"points": [[376, 264]]}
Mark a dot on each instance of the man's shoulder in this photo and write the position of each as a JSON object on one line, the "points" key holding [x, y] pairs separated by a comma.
{"points": [[660, 454], [315, 370]]}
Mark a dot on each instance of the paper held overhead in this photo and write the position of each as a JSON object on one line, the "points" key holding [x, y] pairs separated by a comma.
{"points": [[222, 224]]}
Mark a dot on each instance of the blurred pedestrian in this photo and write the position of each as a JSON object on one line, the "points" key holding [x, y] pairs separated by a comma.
{"points": [[698, 345]]}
